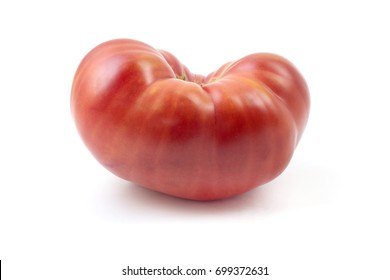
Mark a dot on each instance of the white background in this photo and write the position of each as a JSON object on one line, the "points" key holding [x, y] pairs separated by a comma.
{"points": [[63, 216]]}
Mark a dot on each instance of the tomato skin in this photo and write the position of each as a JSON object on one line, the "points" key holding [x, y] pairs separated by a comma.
{"points": [[149, 120]]}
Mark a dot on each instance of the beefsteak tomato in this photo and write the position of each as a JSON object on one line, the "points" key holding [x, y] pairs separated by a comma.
{"points": [[149, 120]]}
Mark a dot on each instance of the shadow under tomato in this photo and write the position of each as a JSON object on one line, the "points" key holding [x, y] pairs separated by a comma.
{"points": [[297, 188], [153, 204]]}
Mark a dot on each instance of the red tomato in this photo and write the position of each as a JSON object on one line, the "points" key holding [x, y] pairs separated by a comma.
{"points": [[149, 120]]}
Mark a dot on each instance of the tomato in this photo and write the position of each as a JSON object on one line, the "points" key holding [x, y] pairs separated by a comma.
{"points": [[149, 120]]}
